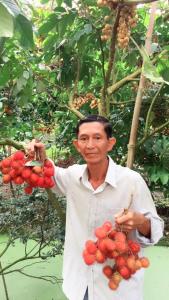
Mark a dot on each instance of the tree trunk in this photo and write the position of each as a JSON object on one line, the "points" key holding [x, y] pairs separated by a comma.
{"points": [[137, 108]]}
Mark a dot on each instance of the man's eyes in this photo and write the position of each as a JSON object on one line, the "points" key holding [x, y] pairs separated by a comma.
{"points": [[86, 139], [83, 139]]}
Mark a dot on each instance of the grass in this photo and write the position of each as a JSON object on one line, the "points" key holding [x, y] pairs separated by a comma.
{"points": [[21, 287]]}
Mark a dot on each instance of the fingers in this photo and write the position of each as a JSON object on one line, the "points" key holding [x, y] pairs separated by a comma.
{"points": [[123, 218], [125, 222], [36, 150]]}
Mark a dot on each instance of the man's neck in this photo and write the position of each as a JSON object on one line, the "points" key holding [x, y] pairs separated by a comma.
{"points": [[97, 172]]}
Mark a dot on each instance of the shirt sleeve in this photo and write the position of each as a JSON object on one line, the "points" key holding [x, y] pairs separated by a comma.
{"points": [[61, 181], [143, 202]]}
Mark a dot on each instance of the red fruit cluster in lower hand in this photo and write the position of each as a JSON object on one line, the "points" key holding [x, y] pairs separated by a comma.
{"points": [[14, 170], [113, 244]]}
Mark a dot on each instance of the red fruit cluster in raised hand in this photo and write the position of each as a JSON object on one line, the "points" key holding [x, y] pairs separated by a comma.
{"points": [[113, 244], [14, 169]]}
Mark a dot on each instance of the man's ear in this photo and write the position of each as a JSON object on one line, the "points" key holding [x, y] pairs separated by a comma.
{"points": [[75, 143], [112, 142]]}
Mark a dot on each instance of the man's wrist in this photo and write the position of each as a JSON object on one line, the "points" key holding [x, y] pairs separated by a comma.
{"points": [[144, 227]]}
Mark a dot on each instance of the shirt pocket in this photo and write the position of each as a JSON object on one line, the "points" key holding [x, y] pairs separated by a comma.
{"points": [[107, 214]]}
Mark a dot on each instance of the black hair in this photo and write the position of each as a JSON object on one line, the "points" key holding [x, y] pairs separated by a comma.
{"points": [[96, 118]]}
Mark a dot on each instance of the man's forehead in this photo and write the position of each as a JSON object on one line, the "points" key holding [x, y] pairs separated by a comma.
{"points": [[91, 127]]}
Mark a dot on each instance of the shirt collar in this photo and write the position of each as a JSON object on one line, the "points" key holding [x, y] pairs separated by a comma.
{"points": [[110, 176]]}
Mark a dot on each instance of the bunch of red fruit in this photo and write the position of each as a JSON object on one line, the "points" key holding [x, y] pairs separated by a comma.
{"points": [[113, 244], [15, 169]]}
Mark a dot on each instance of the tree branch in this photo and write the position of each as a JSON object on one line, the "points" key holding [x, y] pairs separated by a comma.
{"points": [[130, 77], [158, 129], [9, 142], [150, 109], [144, 138], [138, 103], [131, 2], [74, 110], [123, 81], [112, 49], [102, 57]]}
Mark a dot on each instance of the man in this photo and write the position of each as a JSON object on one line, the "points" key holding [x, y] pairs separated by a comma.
{"points": [[98, 191]]}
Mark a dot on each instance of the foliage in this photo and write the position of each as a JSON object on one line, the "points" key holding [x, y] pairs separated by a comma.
{"points": [[25, 218]]}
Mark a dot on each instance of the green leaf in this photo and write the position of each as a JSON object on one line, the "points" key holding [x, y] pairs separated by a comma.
{"points": [[6, 22], [26, 74], [59, 2], [149, 70], [33, 163], [163, 66], [68, 2], [48, 25], [44, 1], [41, 86], [86, 30], [25, 32], [11, 6], [154, 177], [164, 178], [5, 74], [66, 20], [20, 84]]}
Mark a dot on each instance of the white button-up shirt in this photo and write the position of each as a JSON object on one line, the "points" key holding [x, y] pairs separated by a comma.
{"points": [[87, 209]]}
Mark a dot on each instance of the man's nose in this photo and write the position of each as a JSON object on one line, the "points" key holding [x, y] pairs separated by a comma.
{"points": [[90, 143]]}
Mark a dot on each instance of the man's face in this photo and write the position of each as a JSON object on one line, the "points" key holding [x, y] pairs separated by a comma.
{"points": [[92, 142]]}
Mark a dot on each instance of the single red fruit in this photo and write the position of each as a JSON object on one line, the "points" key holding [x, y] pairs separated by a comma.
{"points": [[125, 272], [6, 163], [26, 173], [102, 245], [19, 171], [131, 263], [120, 236], [100, 233], [112, 234], [41, 182], [18, 180], [100, 257], [16, 164], [144, 262], [107, 226], [112, 285], [28, 190], [19, 155], [134, 246], [120, 261], [6, 178], [49, 171], [48, 163], [34, 178], [121, 246], [138, 264], [88, 258], [108, 271], [5, 170], [91, 247], [12, 173], [110, 245]]}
